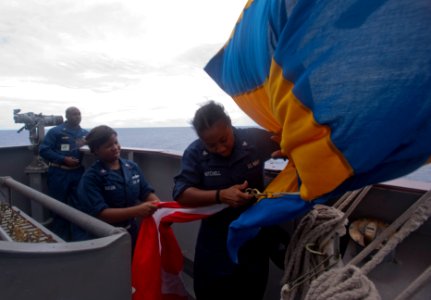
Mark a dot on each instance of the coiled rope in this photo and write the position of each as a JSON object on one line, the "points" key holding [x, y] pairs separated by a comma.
{"points": [[314, 246], [351, 282]]}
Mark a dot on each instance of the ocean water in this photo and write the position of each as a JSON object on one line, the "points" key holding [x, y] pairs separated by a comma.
{"points": [[161, 138], [173, 139]]}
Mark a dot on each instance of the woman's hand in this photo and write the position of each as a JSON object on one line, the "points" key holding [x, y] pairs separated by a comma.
{"points": [[235, 196], [141, 210], [146, 209]]}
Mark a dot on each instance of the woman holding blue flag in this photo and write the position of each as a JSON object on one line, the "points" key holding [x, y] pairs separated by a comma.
{"points": [[217, 168]]}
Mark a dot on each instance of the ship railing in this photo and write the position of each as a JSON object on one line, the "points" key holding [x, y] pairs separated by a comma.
{"points": [[99, 268], [88, 223]]}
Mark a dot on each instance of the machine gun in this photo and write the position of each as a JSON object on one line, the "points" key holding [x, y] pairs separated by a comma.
{"points": [[35, 124]]}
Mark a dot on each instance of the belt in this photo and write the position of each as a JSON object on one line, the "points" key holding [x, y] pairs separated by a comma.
{"points": [[64, 167]]}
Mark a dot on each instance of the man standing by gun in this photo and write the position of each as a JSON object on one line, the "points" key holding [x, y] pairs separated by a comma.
{"points": [[60, 148]]}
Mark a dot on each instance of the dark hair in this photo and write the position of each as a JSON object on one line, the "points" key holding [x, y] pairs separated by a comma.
{"points": [[70, 110], [98, 136], [207, 115]]}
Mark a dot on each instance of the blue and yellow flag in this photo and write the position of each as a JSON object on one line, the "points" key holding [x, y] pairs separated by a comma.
{"points": [[345, 83]]}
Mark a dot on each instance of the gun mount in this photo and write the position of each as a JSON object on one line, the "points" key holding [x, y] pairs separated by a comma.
{"points": [[35, 124]]}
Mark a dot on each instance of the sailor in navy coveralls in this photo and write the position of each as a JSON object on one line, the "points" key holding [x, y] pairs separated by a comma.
{"points": [[61, 149], [114, 189], [217, 168]]}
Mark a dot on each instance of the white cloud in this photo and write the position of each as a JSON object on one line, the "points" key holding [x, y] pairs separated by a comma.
{"points": [[130, 63]]}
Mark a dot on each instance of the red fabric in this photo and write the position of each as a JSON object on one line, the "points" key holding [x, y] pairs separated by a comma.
{"points": [[146, 271], [158, 260]]}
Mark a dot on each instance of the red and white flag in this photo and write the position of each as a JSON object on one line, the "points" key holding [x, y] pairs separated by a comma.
{"points": [[158, 260]]}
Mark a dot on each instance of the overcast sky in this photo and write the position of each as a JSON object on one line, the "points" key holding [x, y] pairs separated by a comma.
{"points": [[124, 63]]}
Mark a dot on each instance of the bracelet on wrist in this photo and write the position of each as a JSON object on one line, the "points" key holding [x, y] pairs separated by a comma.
{"points": [[217, 196]]}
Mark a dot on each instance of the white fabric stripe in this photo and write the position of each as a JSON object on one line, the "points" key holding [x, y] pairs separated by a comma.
{"points": [[202, 210]]}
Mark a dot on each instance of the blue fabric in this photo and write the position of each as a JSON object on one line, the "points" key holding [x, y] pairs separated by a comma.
{"points": [[363, 68], [265, 213], [102, 187], [204, 170], [61, 141], [62, 185], [244, 63], [216, 275]]}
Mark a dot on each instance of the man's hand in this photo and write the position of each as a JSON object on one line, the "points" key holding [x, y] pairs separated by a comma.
{"points": [[71, 161]]}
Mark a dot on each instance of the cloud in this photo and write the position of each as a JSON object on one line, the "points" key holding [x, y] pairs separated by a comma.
{"points": [[131, 63], [69, 45]]}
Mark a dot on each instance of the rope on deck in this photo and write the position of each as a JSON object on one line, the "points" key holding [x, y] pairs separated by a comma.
{"points": [[351, 282], [313, 248]]}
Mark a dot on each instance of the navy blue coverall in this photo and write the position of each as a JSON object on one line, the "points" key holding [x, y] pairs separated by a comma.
{"points": [[102, 188], [215, 275], [59, 142]]}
